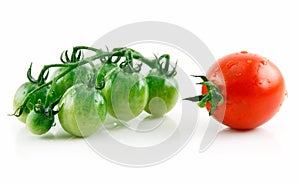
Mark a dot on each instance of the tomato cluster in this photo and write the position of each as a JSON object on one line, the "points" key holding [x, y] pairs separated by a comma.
{"points": [[81, 94]]}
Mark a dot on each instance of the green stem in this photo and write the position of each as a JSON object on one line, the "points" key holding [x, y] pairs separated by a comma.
{"points": [[70, 67], [46, 67], [151, 63], [88, 48]]}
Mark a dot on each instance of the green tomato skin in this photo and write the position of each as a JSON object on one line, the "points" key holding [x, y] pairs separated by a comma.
{"points": [[82, 110], [38, 123], [21, 94], [105, 68], [163, 94], [126, 95], [78, 75]]}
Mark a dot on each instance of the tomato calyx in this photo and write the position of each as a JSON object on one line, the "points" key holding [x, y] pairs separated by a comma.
{"points": [[18, 112], [164, 66], [47, 111], [76, 56], [129, 56], [41, 80], [213, 95]]}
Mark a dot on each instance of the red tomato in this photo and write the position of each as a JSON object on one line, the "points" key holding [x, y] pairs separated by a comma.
{"points": [[253, 90]]}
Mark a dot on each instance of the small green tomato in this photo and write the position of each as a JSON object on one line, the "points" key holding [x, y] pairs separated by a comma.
{"points": [[39, 123]]}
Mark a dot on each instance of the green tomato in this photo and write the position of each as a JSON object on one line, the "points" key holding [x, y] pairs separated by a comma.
{"points": [[82, 110], [126, 95], [39, 123], [78, 75], [163, 94], [21, 94]]}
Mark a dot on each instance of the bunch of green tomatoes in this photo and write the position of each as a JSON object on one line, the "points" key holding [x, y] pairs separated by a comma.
{"points": [[83, 90]]}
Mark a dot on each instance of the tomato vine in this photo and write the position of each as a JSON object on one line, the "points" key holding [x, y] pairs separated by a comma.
{"points": [[77, 59]]}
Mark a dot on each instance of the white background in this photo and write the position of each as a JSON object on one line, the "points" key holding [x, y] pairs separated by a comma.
{"points": [[39, 30]]}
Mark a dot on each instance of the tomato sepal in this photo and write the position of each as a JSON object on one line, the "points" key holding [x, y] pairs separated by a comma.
{"points": [[213, 95]]}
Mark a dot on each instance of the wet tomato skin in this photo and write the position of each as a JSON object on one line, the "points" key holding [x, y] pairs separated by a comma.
{"points": [[126, 95], [253, 90], [82, 110]]}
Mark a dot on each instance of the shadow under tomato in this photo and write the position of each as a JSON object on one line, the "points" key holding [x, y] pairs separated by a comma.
{"points": [[60, 135], [148, 132], [143, 123], [32, 146], [257, 141], [56, 133]]}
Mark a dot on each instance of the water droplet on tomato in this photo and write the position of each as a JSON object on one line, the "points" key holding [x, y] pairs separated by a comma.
{"points": [[264, 83], [263, 62], [249, 61], [230, 64], [260, 82], [238, 74]]}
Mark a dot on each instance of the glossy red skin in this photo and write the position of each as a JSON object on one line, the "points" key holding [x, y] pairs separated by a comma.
{"points": [[253, 90]]}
